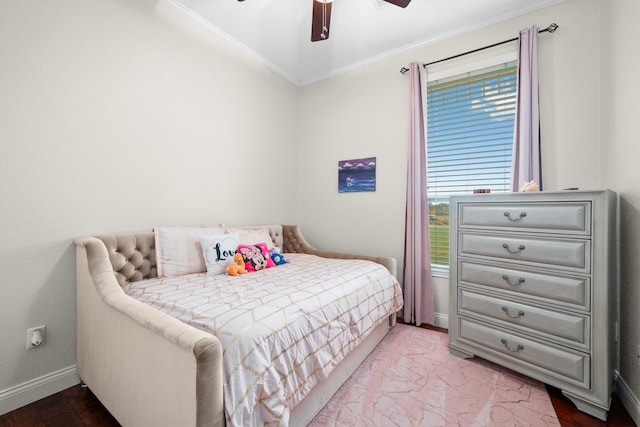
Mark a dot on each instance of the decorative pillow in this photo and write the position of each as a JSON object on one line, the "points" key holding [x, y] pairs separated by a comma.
{"points": [[256, 257], [218, 251], [178, 249], [250, 236]]}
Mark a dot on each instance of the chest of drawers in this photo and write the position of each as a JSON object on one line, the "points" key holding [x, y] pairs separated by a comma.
{"points": [[534, 287]]}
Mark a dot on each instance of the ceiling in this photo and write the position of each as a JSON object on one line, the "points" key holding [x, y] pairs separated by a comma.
{"points": [[279, 31]]}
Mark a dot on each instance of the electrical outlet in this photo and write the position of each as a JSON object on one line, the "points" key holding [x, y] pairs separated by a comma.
{"points": [[36, 336]]}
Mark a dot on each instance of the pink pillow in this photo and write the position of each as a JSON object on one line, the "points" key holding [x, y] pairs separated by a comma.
{"points": [[256, 257], [250, 236]]}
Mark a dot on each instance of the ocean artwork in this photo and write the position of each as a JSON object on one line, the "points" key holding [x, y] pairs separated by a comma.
{"points": [[357, 175]]}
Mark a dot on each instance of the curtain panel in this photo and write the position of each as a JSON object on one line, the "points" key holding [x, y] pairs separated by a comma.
{"points": [[417, 281], [526, 164]]}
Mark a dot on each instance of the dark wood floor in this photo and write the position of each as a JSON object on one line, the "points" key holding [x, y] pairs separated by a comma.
{"points": [[73, 407], [78, 407], [570, 416]]}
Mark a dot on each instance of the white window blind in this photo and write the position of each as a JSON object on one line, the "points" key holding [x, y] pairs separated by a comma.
{"points": [[470, 123]]}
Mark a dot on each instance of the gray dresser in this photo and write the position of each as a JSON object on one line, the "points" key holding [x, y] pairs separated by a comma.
{"points": [[534, 287]]}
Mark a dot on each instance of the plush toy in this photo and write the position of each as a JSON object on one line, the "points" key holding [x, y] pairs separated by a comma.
{"points": [[236, 267], [276, 256], [529, 186]]}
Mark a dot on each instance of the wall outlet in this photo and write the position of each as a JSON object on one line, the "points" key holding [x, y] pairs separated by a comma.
{"points": [[36, 336]]}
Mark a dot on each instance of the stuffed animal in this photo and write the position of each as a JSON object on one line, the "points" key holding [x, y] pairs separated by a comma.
{"points": [[236, 267], [276, 256], [529, 187]]}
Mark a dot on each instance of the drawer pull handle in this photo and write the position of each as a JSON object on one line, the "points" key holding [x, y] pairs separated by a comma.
{"points": [[513, 316], [513, 349], [513, 251], [508, 215], [520, 280]]}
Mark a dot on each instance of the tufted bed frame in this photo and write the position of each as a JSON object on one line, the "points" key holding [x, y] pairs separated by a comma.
{"points": [[150, 369]]}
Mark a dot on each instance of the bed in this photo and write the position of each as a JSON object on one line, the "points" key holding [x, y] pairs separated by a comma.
{"points": [[265, 348]]}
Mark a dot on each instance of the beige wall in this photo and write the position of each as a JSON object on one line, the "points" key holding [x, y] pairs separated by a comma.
{"points": [[114, 118]]}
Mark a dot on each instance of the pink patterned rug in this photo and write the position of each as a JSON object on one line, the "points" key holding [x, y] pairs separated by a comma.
{"points": [[410, 379]]}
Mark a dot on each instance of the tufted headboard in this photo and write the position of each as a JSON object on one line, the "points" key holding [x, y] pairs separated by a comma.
{"points": [[133, 256]]}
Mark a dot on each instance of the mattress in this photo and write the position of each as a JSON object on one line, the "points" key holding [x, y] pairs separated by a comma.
{"points": [[282, 329]]}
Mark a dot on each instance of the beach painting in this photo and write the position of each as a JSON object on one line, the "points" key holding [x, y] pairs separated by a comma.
{"points": [[357, 175]]}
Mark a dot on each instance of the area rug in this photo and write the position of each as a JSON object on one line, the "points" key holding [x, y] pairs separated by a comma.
{"points": [[410, 379]]}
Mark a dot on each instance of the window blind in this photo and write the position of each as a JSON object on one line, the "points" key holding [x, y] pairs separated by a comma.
{"points": [[470, 124]]}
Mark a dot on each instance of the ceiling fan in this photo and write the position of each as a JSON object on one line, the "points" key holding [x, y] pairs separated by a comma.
{"points": [[321, 17]]}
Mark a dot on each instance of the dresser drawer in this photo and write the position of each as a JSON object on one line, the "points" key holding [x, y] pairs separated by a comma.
{"points": [[569, 328], [538, 356], [549, 217], [571, 253], [559, 290]]}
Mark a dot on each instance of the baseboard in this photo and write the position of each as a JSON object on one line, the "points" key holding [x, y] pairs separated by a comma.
{"points": [[628, 399], [441, 320], [36, 389]]}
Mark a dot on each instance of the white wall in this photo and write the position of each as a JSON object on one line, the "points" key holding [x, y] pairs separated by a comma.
{"points": [[620, 138], [113, 118], [364, 113], [117, 116], [589, 87]]}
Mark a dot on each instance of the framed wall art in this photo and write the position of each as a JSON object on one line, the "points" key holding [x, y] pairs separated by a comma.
{"points": [[357, 175]]}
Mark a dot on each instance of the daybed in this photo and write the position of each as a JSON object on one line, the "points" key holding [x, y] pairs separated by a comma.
{"points": [[150, 369]]}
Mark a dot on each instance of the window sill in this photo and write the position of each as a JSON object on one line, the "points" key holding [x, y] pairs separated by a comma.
{"points": [[440, 271]]}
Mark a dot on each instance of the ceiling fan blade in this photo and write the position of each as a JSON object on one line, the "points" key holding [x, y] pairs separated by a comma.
{"points": [[401, 3], [320, 20]]}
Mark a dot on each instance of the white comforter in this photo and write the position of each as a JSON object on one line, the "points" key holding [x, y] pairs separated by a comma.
{"points": [[282, 329]]}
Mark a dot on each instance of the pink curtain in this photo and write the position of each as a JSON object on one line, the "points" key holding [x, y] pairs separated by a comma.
{"points": [[417, 286], [525, 164]]}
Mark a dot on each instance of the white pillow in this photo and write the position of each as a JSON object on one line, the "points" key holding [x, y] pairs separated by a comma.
{"points": [[178, 250], [218, 251], [251, 236]]}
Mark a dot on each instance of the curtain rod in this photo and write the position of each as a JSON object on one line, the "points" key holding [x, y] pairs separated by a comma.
{"points": [[550, 29]]}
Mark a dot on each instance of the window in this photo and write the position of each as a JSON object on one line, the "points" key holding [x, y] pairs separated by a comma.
{"points": [[470, 123]]}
